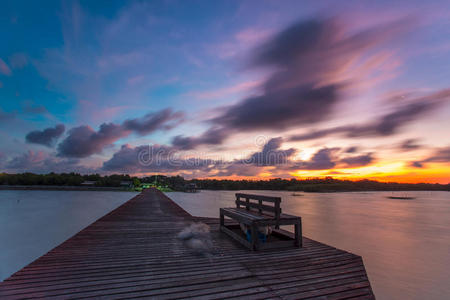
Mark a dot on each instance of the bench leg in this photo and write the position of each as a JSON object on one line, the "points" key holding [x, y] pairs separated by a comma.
{"points": [[298, 234], [222, 220], [254, 233]]}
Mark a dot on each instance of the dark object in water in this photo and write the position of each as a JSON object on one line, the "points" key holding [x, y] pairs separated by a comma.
{"points": [[295, 194], [401, 197]]}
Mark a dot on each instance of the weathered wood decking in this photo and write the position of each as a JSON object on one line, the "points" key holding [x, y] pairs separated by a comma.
{"points": [[133, 252]]}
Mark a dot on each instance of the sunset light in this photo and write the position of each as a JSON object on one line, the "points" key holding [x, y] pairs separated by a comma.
{"points": [[162, 146]]}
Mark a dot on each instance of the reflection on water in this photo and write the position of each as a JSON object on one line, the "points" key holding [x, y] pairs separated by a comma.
{"points": [[405, 244], [34, 222]]}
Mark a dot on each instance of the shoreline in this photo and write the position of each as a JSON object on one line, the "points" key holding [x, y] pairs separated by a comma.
{"points": [[60, 188], [121, 189]]}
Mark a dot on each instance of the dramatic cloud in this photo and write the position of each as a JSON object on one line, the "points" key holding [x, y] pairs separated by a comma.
{"points": [[321, 160], [154, 158], [317, 134], [40, 162], [352, 149], [27, 160], [271, 154], [329, 158], [213, 136], [271, 158], [388, 124], [280, 109], [356, 161], [158, 158], [84, 141], [46, 137], [305, 86], [440, 156], [164, 119], [409, 145]]}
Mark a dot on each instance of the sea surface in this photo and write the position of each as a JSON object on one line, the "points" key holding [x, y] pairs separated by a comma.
{"points": [[405, 244], [34, 222]]}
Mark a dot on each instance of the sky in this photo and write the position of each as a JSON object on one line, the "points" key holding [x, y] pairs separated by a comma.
{"points": [[227, 89]]}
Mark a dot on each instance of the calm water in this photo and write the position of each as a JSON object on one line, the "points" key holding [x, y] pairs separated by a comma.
{"points": [[34, 222], [405, 244]]}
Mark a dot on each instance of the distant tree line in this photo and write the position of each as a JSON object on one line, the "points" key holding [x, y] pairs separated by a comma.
{"points": [[63, 179], [178, 183], [327, 184]]}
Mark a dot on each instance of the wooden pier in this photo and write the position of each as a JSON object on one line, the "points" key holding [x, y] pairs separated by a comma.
{"points": [[133, 252]]}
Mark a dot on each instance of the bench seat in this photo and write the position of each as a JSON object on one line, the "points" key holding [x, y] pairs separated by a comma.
{"points": [[247, 217], [255, 215]]}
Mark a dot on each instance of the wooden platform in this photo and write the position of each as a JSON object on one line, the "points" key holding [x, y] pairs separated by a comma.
{"points": [[133, 252]]}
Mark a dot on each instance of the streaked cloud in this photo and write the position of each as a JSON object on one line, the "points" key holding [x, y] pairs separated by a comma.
{"points": [[410, 144], [84, 141], [304, 89], [46, 137], [165, 119], [439, 156], [387, 124]]}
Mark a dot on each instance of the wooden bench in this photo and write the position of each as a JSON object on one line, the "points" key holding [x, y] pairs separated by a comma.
{"points": [[257, 211]]}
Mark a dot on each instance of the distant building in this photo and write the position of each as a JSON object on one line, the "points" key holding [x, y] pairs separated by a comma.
{"points": [[88, 183], [128, 184], [190, 188]]}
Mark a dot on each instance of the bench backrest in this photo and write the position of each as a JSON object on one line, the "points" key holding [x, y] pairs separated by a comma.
{"points": [[259, 203]]}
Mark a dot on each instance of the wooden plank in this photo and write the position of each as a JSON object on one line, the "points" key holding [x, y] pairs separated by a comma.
{"points": [[236, 237], [260, 207], [259, 197]]}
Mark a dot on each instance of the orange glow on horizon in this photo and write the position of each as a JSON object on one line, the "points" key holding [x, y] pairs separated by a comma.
{"points": [[388, 172]]}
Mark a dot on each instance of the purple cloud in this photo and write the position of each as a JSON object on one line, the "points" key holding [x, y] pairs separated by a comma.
{"points": [[356, 161], [165, 119], [159, 158], [321, 160], [301, 90], [410, 144], [46, 137], [351, 149], [84, 141], [26, 161], [154, 158], [440, 156], [271, 154], [40, 162], [329, 158], [212, 136], [388, 124]]}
